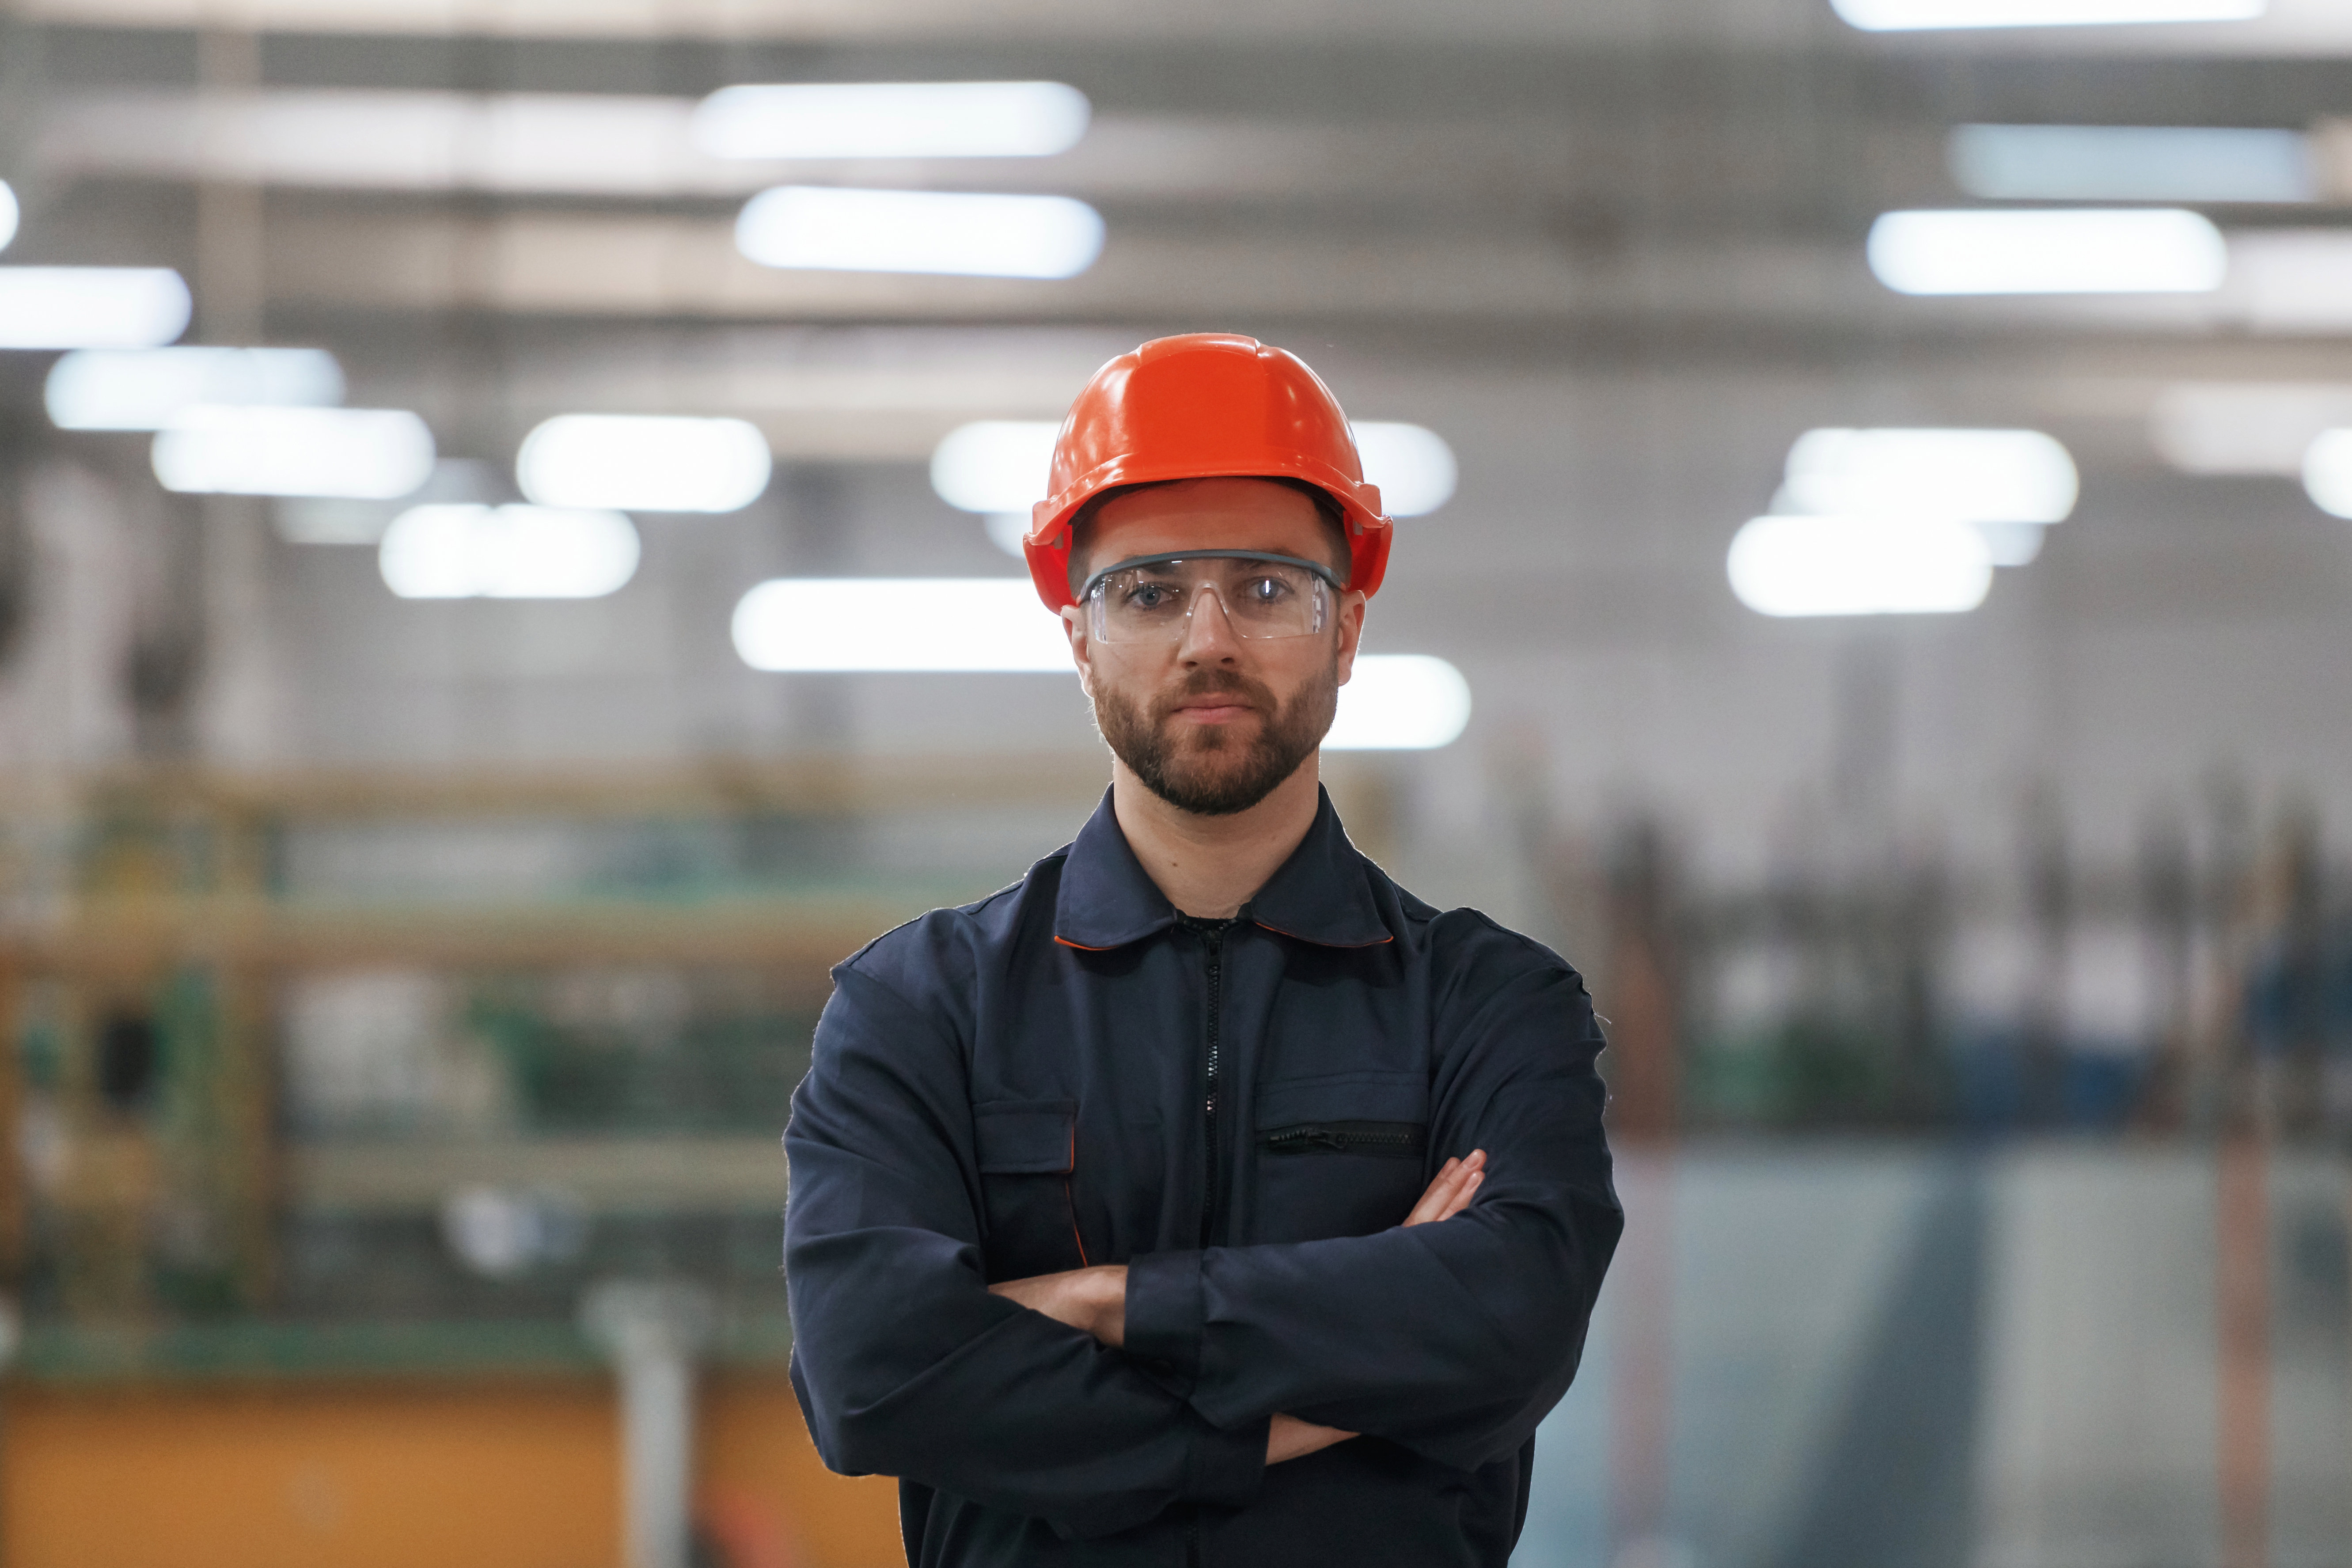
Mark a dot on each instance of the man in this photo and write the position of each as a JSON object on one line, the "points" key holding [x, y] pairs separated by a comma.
{"points": [[1204, 1198]]}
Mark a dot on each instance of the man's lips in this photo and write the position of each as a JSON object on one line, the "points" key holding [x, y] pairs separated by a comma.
{"points": [[1221, 708]]}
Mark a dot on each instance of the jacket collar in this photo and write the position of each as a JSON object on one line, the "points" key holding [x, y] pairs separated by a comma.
{"points": [[1322, 894]]}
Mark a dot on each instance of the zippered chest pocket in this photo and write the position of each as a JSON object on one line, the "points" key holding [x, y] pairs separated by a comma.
{"points": [[1027, 1153], [1391, 1140], [1341, 1154]]}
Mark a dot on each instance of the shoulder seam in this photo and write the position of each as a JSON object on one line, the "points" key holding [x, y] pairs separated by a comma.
{"points": [[961, 911]]}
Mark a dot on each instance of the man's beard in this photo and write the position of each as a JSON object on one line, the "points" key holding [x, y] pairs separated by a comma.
{"points": [[1180, 766]]}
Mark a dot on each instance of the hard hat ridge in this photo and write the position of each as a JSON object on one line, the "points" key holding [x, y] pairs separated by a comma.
{"points": [[1204, 405]]}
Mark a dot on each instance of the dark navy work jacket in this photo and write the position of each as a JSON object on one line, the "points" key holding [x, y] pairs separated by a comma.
{"points": [[1069, 1073]]}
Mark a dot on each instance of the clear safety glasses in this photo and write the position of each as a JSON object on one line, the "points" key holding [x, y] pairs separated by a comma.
{"points": [[1151, 599]]}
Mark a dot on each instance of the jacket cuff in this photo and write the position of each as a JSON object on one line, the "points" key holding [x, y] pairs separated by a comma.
{"points": [[1225, 1468], [1164, 1318]]}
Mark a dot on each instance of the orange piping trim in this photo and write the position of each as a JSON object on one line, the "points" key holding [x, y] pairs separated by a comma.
{"points": [[1343, 946]]}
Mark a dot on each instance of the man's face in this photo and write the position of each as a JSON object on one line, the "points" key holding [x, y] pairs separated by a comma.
{"points": [[1212, 721]]}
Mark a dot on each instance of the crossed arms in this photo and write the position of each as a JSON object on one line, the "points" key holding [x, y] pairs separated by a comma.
{"points": [[1094, 1301], [1450, 1339]]}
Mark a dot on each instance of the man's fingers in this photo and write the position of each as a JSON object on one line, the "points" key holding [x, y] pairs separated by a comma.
{"points": [[1449, 1192], [1289, 1437], [1434, 1196], [1463, 1194]]}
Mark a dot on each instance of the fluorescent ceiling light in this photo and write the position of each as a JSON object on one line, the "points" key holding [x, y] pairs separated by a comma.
{"points": [[2328, 472], [994, 465], [1858, 566], [2244, 428], [939, 624], [1009, 531], [1413, 466], [366, 454], [90, 307], [9, 213], [631, 462], [313, 520], [1899, 15], [2290, 279], [1400, 701], [1967, 476], [1000, 466], [994, 625], [2158, 251], [464, 551], [2130, 163], [840, 230], [893, 120], [373, 139], [2011, 544], [143, 389]]}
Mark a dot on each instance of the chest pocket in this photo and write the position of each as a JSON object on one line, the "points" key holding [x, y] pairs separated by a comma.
{"points": [[1027, 1150], [1345, 1154]]}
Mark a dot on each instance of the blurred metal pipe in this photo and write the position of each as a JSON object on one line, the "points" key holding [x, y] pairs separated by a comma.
{"points": [[653, 1330]]}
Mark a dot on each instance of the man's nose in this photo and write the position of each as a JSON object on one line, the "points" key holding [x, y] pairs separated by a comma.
{"points": [[1208, 632]]}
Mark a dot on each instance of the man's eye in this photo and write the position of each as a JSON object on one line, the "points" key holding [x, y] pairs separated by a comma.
{"points": [[1149, 596], [1265, 590]]}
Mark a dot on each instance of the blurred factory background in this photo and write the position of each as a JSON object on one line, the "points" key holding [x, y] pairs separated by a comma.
{"points": [[502, 582]]}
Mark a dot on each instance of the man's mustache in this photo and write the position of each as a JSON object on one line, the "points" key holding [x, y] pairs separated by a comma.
{"points": [[1216, 682]]}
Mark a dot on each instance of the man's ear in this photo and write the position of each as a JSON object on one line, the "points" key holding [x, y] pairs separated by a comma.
{"points": [[1082, 653], [1351, 631]]}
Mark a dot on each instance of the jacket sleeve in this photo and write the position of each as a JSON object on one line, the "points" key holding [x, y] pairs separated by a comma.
{"points": [[1453, 1339], [904, 1364]]}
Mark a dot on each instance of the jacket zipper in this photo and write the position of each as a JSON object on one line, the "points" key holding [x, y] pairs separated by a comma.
{"points": [[1213, 935], [1212, 1184], [1403, 1140]]}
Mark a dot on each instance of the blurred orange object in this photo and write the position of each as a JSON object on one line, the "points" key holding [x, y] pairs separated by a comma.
{"points": [[517, 1472]]}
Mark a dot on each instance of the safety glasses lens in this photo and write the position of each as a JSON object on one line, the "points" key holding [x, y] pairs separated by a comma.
{"points": [[1153, 604]]}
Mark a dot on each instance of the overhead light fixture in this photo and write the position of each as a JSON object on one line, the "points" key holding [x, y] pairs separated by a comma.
{"points": [[312, 519], [631, 462], [2244, 428], [1412, 465], [828, 228], [365, 454], [9, 213], [892, 120], [2095, 251], [143, 389], [999, 468], [91, 307], [994, 465], [1858, 566], [928, 624], [2328, 472], [1904, 15], [466, 551], [1968, 475], [2131, 163], [1400, 702], [995, 625], [2290, 279]]}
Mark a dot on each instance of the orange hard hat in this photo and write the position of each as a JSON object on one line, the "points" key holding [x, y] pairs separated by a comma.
{"points": [[1204, 405]]}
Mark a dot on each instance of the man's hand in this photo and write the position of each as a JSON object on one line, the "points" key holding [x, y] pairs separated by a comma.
{"points": [[1291, 1438], [1451, 1190], [1092, 1300]]}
